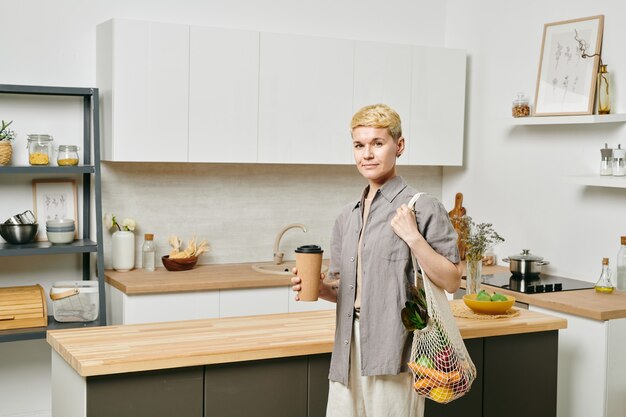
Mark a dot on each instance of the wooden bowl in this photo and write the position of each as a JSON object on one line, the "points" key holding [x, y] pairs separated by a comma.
{"points": [[182, 264]]}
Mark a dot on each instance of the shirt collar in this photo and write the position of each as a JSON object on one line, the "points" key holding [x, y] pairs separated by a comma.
{"points": [[389, 190]]}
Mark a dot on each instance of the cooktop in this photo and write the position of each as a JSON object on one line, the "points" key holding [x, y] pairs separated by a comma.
{"points": [[534, 284]]}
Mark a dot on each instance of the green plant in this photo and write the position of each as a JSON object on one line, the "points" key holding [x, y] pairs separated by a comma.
{"points": [[127, 224], [477, 237], [6, 134]]}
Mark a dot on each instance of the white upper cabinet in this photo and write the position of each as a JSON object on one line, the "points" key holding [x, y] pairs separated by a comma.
{"points": [[223, 95], [382, 74], [305, 99], [437, 106], [143, 75], [175, 93]]}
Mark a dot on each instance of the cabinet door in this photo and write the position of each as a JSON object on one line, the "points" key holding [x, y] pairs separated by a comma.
{"points": [[164, 393], [437, 106], [143, 74], [382, 74], [223, 95], [305, 99], [253, 301], [152, 308], [264, 388]]}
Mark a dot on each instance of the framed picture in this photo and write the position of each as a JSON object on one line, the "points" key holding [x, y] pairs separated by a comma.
{"points": [[54, 199], [568, 67]]}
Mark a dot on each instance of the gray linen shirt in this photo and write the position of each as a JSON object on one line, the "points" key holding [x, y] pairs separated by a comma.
{"points": [[387, 276]]}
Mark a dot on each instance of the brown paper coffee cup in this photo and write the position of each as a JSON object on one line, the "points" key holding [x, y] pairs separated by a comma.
{"points": [[309, 265]]}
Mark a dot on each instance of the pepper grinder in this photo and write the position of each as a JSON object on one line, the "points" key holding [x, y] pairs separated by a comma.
{"points": [[619, 166], [606, 165]]}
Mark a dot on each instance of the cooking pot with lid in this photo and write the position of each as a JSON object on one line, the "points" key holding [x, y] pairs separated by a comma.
{"points": [[525, 263]]}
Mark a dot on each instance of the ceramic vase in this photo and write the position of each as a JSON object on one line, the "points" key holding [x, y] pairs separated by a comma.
{"points": [[123, 254], [473, 276]]}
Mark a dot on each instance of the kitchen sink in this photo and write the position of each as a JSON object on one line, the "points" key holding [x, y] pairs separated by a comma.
{"points": [[281, 269]]}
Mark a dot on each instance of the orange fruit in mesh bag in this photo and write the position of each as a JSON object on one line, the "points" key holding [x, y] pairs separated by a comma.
{"points": [[441, 394]]}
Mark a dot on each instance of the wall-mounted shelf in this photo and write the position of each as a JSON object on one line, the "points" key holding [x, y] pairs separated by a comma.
{"points": [[569, 120], [597, 181]]}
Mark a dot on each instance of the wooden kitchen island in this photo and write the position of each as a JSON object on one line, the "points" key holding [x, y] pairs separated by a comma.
{"points": [[276, 365]]}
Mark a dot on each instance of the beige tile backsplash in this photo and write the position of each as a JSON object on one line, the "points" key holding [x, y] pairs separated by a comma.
{"points": [[238, 208]]}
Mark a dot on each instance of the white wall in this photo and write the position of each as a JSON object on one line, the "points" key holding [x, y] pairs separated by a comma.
{"points": [[512, 175], [53, 43]]}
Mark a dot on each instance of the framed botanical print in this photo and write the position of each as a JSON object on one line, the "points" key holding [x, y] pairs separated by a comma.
{"points": [[568, 67], [54, 199]]}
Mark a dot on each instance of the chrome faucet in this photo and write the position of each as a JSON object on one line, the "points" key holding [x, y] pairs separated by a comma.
{"points": [[278, 256]]}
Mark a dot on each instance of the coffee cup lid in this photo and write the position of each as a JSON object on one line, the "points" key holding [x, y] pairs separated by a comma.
{"points": [[309, 249]]}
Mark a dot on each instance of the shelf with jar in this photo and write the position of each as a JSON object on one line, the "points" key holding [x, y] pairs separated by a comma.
{"points": [[570, 120], [612, 170], [85, 166]]}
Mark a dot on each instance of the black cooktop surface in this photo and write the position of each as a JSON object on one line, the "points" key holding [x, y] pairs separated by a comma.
{"points": [[534, 284]]}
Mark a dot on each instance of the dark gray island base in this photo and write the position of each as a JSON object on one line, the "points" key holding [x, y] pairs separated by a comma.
{"points": [[517, 376]]}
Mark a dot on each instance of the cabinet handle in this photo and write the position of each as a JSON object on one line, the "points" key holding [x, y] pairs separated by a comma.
{"points": [[6, 318]]}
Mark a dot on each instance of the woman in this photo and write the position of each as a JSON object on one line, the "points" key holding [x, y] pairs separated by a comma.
{"points": [[371, 246]]}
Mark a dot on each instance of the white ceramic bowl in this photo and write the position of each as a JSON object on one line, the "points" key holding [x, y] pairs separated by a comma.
{"points": [[60, 238], [60, 223]]}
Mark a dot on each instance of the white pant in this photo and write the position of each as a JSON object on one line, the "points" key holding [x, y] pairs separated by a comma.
{"points": [[372, 396]]}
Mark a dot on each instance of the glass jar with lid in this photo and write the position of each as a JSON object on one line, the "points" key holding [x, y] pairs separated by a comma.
{"points": [[67, 155], [39, 149], [521, 108]]}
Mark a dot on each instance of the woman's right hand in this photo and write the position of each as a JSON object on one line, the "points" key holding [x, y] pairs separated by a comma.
{"points": [[326, 292]]}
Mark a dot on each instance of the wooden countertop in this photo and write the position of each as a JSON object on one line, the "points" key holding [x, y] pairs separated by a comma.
{"points": [[141, 347], [200, 278], [584, 303]]}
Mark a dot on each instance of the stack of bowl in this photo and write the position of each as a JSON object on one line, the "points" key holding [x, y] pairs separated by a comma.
{"points": [[60, 231]]}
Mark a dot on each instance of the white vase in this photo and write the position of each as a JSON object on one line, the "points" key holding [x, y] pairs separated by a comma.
{"points": [[123, 256]]}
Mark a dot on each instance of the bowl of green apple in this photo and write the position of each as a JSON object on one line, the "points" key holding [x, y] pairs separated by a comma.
{"points": [[486, 303]]}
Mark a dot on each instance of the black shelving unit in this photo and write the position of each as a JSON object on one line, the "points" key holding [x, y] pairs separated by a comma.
{"points": [[90, 173]]}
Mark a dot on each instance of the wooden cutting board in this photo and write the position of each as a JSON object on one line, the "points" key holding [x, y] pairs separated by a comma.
{"points": [[456, 212]]}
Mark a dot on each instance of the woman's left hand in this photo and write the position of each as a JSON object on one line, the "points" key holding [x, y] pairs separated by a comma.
{"points": [[404, 224]]}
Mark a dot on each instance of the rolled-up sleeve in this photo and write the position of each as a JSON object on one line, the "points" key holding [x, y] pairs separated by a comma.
{"points": [[434, 224]]}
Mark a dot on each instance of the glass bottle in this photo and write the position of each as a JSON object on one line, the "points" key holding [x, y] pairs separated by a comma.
{"points": [[39, 149], [621, 265], [619, 165], [606, 164], [67, 155], [148, 253], [604, 284], [604, 99]]}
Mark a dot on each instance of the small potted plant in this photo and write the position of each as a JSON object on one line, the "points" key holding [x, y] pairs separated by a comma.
{"points": [[477, 237], [6, 137]]}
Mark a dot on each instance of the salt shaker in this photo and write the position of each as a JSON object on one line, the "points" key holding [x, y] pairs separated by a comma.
{"points": [[606, 165], [619, 166]]}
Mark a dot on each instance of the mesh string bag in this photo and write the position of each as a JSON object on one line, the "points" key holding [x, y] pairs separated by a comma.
{"points": [[441, 366]]}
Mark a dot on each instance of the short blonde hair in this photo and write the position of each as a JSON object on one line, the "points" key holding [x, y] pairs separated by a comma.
{"points": [[378, 116]]}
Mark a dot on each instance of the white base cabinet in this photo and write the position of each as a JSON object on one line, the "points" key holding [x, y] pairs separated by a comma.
{"points": [[152, 308], [592, 366]]}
